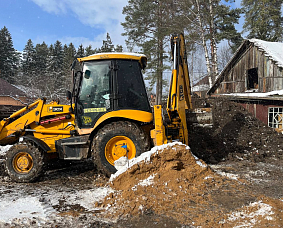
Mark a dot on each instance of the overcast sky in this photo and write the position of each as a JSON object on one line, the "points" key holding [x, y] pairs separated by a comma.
{"points": [[78, 21]]}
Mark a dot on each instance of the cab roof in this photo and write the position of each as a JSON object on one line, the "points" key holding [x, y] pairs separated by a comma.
{"points": [[113, 55], [117, 55]]}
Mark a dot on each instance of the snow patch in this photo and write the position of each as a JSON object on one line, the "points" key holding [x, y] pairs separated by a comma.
{"points": [[121, 162], [146, 182], [4, 149], [263, 210], [27, 207], [87, 198], [229, 175], [19, 208], [201, 164], [208, 177]]}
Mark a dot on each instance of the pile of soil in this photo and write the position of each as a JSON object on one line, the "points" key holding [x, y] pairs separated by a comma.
{"points": [[235, 135], [175, 184]]}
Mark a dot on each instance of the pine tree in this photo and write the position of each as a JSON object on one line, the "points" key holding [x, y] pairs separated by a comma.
{"points": [[148, 25], [207, 22], [9, 58], [41, 56], [80, 52], [58, 80], [29, 65], [41, 60], [107, 45], [89, 51], [118, 48], [263, 19], [225, 20], [69, 57]]}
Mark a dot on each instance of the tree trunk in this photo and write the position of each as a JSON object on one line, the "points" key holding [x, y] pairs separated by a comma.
{"points": [[159, 57], [213, 43], [159, 83], [208, 67]]}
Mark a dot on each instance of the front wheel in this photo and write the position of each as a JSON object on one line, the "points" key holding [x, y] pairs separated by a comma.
{"points": [[115, 140], [24, 162]]}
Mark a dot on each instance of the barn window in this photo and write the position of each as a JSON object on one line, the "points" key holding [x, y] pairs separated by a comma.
{"points": [[252, 80], [275, 117]]}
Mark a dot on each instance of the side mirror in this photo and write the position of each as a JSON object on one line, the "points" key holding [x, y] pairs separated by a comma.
{"points": [[74, 64], [87, 74], [69, 95]]}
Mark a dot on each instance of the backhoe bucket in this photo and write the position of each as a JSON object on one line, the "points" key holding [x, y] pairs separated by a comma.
{"points": [[200, 117]]}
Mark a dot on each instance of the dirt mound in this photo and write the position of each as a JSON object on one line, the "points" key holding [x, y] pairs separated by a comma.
{"points": [[236, 135], [175, 184]]}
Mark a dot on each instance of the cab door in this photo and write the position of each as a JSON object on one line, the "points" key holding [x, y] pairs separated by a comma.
{"points": [[94, 97]]}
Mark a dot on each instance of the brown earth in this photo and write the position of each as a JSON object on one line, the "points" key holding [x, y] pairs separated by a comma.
{"points": [[235, 135], [246, 179], [186, 190]]}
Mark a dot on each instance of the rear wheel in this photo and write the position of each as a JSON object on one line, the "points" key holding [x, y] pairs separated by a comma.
{"points": [[115, 140], [24, 162]]}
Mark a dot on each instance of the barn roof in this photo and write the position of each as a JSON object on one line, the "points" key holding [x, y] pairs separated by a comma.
{"points": [[273, 50], [201, 85], [6, 89]]}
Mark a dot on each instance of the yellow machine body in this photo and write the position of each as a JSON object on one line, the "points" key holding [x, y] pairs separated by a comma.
{"points": [[47, 122], [179, 98], [110, 116]]}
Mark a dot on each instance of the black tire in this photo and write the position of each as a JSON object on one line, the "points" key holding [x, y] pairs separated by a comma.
{"points": [[121, 128], [24, 150]]}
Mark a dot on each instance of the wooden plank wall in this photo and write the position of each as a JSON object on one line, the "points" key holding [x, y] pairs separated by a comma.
{"points": [[270, 76], [5, 100]]}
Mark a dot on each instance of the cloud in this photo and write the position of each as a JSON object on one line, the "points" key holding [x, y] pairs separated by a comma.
{"points": [[51, 6], [91, 12], [94, 13]]}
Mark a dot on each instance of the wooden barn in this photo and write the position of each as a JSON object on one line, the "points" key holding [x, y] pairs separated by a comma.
{"points": [[257, 66], [254, 78], [11, 99]]}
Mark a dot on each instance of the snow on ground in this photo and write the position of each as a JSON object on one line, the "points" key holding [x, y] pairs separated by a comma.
{"points": [[87, 198], [22, 205], [228, 175], [22, 208], [249, 215], [4, 149]]}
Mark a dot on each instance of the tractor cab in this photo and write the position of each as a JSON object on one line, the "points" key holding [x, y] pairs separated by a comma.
{"points": [[110, 82]]}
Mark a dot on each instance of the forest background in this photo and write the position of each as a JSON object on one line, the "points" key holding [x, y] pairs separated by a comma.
{"points": [[43, 70]]}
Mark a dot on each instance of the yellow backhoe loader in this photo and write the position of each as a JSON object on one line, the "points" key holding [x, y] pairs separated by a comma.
{"points": [[109, 116]]}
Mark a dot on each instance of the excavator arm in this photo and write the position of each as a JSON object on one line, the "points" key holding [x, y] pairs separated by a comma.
{"points": [[179, 98], [45, 121], [9, 127]]}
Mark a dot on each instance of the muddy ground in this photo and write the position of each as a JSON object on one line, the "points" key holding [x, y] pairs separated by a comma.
{"points": [[243, 176]]}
